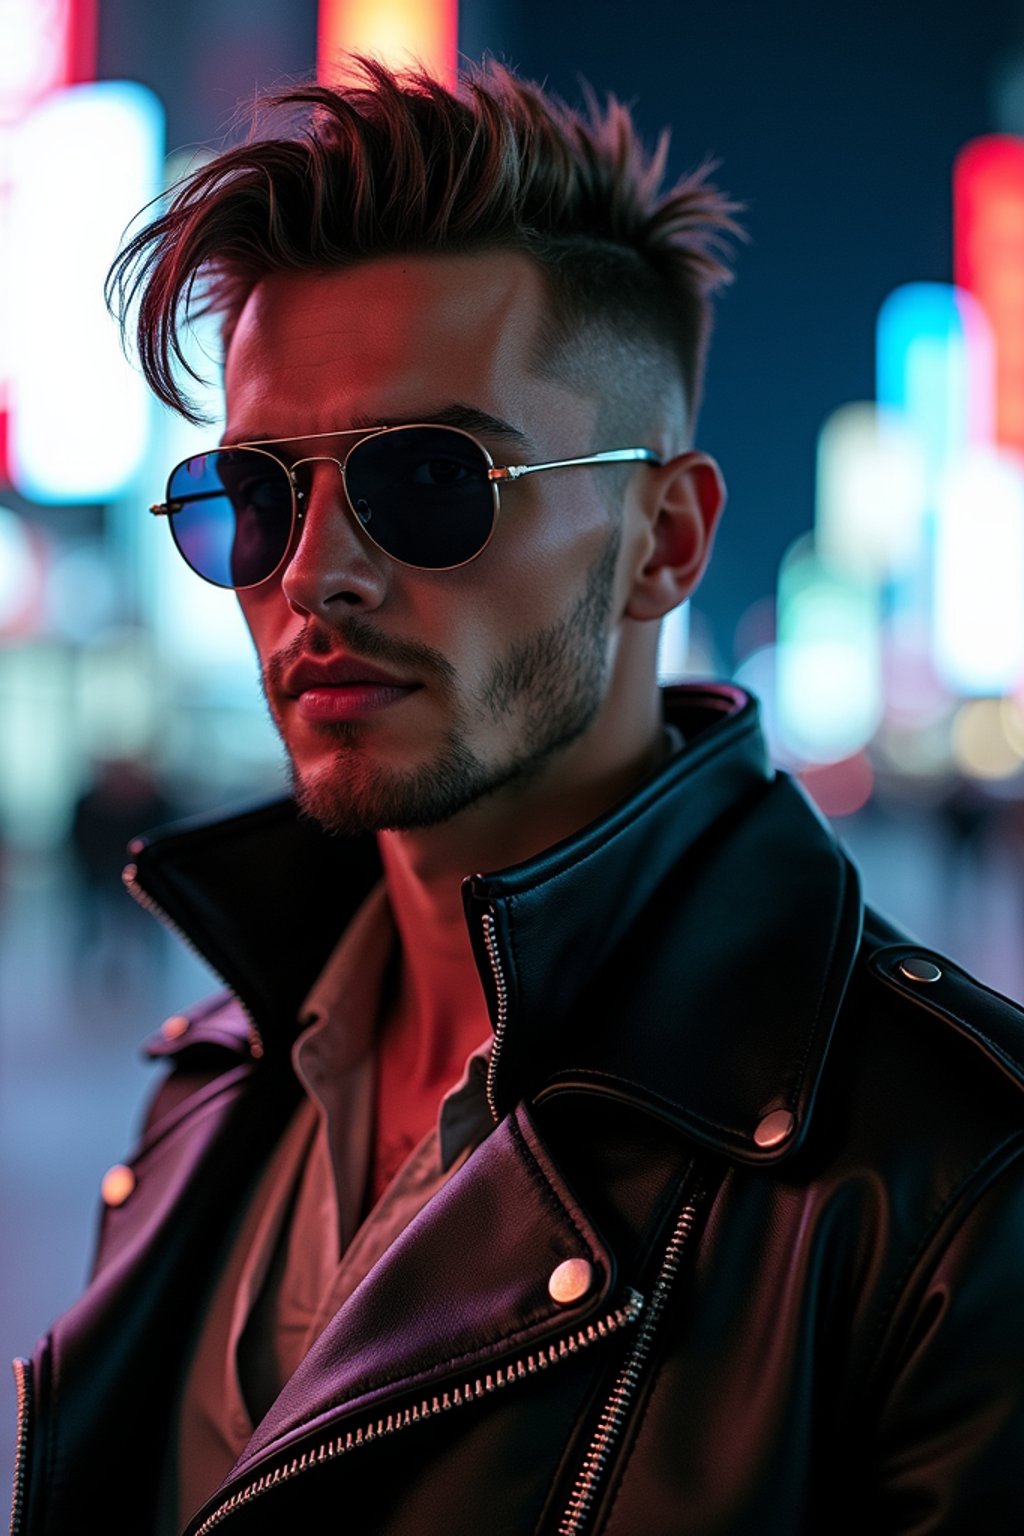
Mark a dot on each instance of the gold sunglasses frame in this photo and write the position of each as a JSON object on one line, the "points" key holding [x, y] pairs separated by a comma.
{"points": [[496, 474]]}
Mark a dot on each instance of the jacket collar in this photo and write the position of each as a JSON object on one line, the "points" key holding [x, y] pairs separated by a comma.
{"points": [[686, 952]]}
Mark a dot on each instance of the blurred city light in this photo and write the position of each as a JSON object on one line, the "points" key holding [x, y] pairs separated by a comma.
{"points": [[41, 753], [674, 644], [988, 259], [982, 748], [44, 45], [914, 695], [935, 366], [87, 159], [843, 788], [759, 673], [871, 492], [978, 615], [829, 659], [121, 695], [916, 753], [400, 32]]}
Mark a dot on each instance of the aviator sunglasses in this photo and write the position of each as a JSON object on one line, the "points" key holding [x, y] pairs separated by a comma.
{"points": [[427, 495]]}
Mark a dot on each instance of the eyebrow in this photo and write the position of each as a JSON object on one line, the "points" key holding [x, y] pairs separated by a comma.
{"points": [[469, 418]]}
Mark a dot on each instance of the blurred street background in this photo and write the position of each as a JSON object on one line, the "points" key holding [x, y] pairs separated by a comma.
{"points": [[865, 397]]}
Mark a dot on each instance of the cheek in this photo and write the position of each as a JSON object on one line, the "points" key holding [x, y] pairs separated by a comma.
{"points": [[548, 530], [265, 612], [557, 544]]}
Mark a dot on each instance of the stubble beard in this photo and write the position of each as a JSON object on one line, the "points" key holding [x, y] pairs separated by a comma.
{"points": [[556, 676]]}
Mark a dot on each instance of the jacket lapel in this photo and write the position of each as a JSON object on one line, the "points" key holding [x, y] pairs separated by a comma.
{"points": [[461, 1293]]}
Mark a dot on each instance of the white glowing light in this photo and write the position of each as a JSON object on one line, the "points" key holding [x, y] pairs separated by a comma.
{"points": [[33, 50], [871, 492], [829, 661], [87, 159], [978, 622], [674, 643]]}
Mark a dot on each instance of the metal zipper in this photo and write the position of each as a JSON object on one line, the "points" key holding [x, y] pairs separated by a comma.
{"points": [[456, 1397], [130, 876], [613, 1416], [501, 1022], [23, 1388]]}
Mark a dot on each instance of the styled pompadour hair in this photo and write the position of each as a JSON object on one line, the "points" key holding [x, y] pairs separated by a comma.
{"points": [[391, 163]]}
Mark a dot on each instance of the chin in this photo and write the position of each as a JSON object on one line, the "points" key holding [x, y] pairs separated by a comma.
{"points": [[349, 795]]}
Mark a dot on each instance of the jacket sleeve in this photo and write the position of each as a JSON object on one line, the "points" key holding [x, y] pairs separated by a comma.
{"points": [[949, 1452]]}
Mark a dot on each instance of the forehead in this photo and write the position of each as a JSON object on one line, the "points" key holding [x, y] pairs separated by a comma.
{"points": [[393, 338]]}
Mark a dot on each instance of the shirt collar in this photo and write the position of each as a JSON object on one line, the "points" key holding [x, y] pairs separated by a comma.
{"points": [[339, 1020]]}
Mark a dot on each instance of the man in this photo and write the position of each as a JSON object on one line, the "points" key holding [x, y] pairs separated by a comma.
{"points": [[572, 1151]]}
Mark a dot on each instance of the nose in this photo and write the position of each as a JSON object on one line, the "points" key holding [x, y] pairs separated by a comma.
{"points": [[333, 564]]}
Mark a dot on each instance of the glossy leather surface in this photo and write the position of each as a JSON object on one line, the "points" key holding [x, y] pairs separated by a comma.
{"points": [[838, 1345]]}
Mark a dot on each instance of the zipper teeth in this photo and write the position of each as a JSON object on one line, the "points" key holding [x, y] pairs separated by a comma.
{"points": [[130, 877], [501, 1022], [23, 1389], [616, 1409], [426, 1408]]}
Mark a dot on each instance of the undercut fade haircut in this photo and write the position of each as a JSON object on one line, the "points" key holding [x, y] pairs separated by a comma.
{"points": [[388, 163]]}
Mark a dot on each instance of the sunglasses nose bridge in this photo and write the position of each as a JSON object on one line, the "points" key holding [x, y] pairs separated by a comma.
{"points": [[302, 496], [319, 458]]}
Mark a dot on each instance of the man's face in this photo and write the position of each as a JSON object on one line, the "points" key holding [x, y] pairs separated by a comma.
{"points": [[403, 695]]}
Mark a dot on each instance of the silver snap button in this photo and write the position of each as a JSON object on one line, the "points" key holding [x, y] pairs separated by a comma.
{"points": [[174, 1027], [118, 1183], [917, 969], [571, 1280], [775, 1128]]}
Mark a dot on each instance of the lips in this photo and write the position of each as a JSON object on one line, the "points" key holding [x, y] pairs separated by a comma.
{"points": [[312, 674], [339, 689]]}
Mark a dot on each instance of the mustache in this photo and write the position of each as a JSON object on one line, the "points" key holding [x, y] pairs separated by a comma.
{"points": [[361, 639]]}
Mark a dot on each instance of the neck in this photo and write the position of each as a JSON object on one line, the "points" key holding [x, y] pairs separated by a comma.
{"points": [[441, 999], [440, 1008]]}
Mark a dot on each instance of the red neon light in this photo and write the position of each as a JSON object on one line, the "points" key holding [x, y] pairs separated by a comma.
{"points": [[81, 41], [988, 260], [401, 32]]}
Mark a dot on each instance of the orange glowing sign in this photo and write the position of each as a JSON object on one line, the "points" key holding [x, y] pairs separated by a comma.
{"points": [[988, 221], [400, 32]]}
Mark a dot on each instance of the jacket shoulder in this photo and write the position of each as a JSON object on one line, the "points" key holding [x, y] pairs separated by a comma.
{"points": [[199, 1046], [218, 1024], [928, 984]]}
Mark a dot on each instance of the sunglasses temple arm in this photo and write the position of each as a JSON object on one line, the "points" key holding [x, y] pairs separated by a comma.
{"points": [[614, 456], [165, 508]]}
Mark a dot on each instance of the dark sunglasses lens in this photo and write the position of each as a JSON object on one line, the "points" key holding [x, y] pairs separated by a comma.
{"points": [[423, 495], [232, 515]]}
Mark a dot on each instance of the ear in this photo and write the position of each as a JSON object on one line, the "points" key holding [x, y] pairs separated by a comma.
{"points": [[686, 497]]}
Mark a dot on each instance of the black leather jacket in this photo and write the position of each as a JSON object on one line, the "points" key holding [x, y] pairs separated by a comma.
{"points": [[788, 1166]]}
